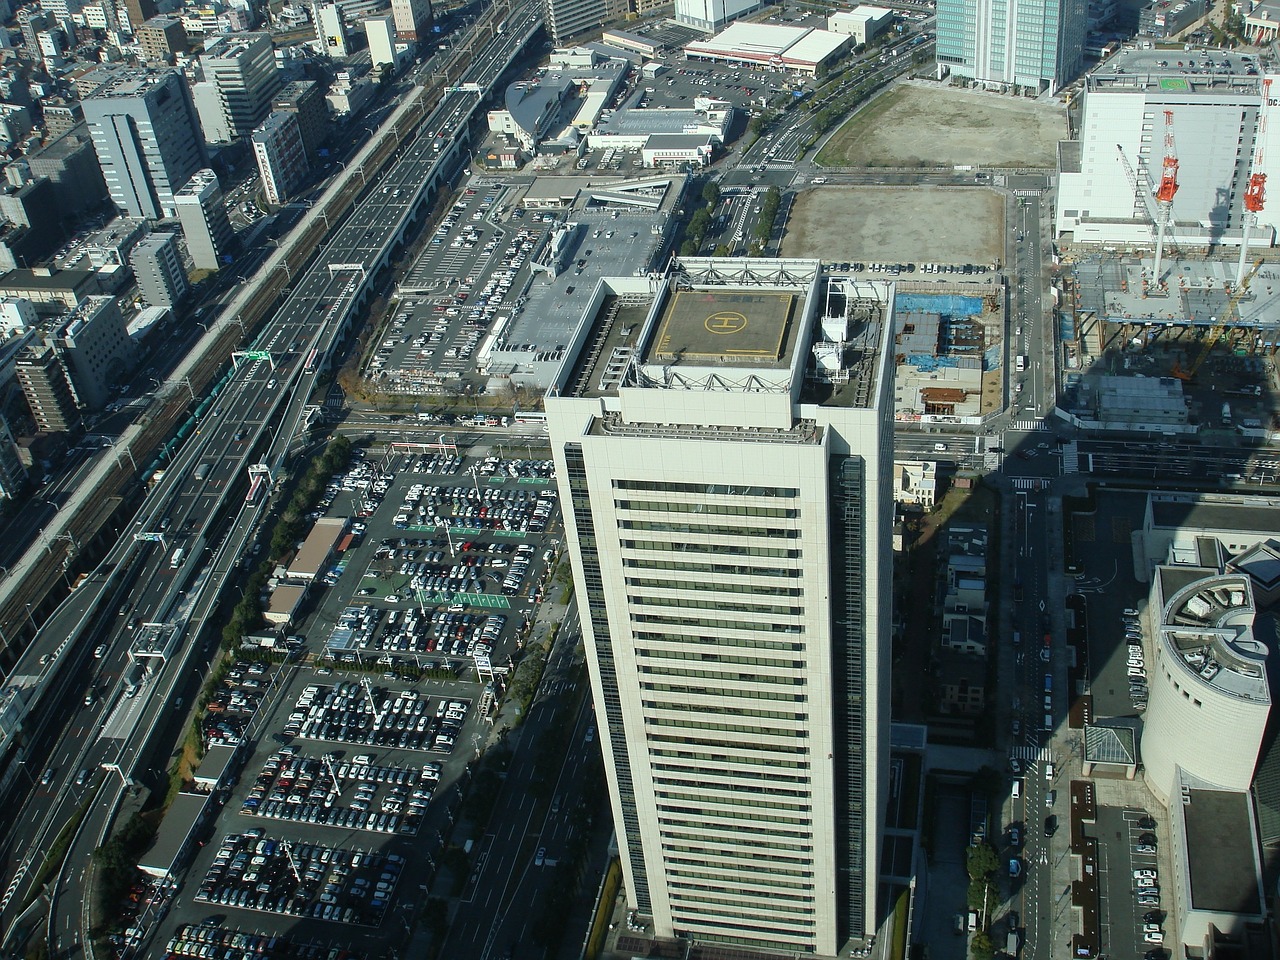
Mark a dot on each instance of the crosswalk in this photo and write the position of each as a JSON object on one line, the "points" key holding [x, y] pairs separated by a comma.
{"points": [[1024, 483], [1028, 425], [1031, 754]]}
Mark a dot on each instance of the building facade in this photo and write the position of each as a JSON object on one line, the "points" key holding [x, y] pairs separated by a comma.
{"points": [[94, 346], [281, 159], [146, 138], [305, 100], [162, 39], [568, 18], [240, 81], [331, 30], [413, 19], [48, 392], [158, 267], [723, 455], [203, 215], [711, 16], [1023, 44]]}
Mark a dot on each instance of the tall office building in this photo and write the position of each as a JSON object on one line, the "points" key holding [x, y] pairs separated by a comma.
{"points": [[305, 100], [94, 346], [723, 448], [282, 161], [240, 78], [331, 30], [203, 214], [413, 19], [1026, 44], [48, 391], [568, 18], [158, 267], [161, 39], [145, 135], [136, 12]]}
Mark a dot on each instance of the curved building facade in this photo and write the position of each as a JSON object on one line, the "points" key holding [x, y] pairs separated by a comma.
{"points": [[1209, 699]]}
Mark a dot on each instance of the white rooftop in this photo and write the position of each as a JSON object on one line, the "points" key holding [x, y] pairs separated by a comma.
{"points": [[761, 41]]}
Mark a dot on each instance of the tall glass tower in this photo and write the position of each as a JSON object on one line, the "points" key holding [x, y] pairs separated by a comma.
{"points": [[1028, 44]]}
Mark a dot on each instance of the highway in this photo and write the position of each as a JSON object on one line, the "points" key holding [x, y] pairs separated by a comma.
{"points": [[147, 602]]}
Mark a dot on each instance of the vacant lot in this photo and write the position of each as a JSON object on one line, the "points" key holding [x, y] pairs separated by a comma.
{"points": [[920, 124], [938, 224]]}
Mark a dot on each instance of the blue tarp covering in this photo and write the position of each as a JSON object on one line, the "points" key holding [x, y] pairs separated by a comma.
{"points": [[951, 305]]}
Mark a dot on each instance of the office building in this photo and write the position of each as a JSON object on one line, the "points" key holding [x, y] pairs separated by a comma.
{"points": [[711, 16], [158, 267], [1216, 129], [305, 100], [1033, 45], [203, 214], [94, 346], [412, 18], [568, 18], [48, 391], [282, 162], [331, 30], [381, 36], [71, 165], [162, 39], [240, 80], [146, 138], [136, 12], [61, 116], [864, 23], [723, 447]]}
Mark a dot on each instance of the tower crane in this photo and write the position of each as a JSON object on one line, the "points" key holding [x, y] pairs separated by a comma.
{"points": [[1255, 192], [1219, 327], [1148, 194]]}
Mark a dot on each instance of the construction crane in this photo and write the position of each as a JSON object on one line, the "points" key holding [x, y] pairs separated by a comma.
{"points": [[1219, 327], [1255, 192], [1147, 193]]}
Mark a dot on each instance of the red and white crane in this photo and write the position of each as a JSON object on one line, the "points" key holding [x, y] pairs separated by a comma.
{"points": [[1255, 194], [1165, 191]]}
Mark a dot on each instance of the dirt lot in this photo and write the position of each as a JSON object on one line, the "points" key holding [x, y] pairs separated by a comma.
{"points": [[906, 224], [928, 124]]}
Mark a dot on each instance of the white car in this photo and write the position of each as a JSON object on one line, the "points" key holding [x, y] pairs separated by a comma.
{"points": [[1144, 875], [1153, 937]]}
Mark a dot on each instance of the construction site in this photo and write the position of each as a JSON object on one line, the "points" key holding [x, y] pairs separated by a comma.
{"points": [[1183, 292]]}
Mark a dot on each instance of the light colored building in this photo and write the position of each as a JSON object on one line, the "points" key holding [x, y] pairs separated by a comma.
{"points": [[240, 80], [1172, 523], [865, 24], [146, 138], [568, 18], [1004, 44], [1167, 18], [94, 347], [331, 30], [385, 49], [282, 161], [17, 316], [158, 267], [1216, 133], [309, 562], [203, 214], [412, 19], [712, 15], [802, 50], [916, 482], [48, 392], [723, 453], [630, 127]]}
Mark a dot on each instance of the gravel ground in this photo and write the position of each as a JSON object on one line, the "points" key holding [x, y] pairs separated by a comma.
{"points": [[921, 123], [905, 224]]}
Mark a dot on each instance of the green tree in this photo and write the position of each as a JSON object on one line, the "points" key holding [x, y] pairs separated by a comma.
{"points": [[981, 947], [980, 862], [722, 250], [711, 192], [689, 248], [700, 223]]}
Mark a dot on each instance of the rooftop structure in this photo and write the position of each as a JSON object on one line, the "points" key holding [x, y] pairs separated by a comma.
{"points": [[315, 551], [799, 49]]}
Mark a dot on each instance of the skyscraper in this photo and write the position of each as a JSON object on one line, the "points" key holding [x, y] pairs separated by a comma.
{"points": [[1028, 44], [145, 135], [568, 18], [723, 446], [240, 78]]}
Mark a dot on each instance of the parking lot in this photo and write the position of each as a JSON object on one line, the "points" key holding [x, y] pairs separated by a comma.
{"points": [[1131, 889], [255, 872]]}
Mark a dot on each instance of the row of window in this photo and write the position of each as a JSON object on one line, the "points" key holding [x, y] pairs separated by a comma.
{"points": [[749, 770], [795, 893], [705, 489], [733, 569], [716, 623], [710, 529], [728, 549], [661, 670], [747, 863], [760, 787], [692, 903], [710, 509], [752, 729], [705, 691], [702, 708], [705, 656], [718, 603], [720, 642], [718, 586]]}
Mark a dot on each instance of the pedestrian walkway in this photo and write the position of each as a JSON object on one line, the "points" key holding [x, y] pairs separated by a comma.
{"points": [[1025, 483], [1071, 458], [1031, 754], [1028, 425]]}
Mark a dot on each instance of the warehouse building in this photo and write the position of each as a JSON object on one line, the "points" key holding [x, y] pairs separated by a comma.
{"points": [[802, 50]]}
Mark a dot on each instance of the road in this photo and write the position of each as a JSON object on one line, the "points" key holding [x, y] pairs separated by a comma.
{"points": [[165, 581]]}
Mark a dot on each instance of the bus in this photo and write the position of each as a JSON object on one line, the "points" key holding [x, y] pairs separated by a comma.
{"points": [[311, 360], [255, 490], [531, 416]]}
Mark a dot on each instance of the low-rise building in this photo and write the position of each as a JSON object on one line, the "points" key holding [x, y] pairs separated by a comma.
{"points": [[865, 24], [309, 562], [915, 482]]}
